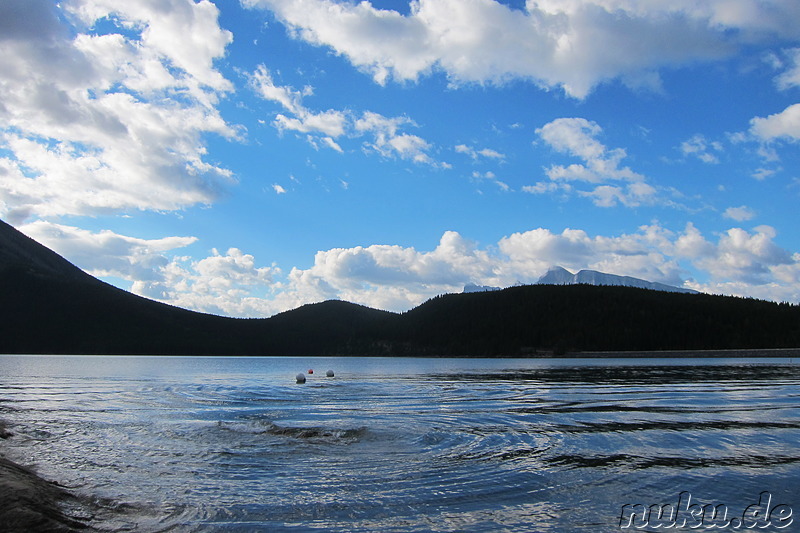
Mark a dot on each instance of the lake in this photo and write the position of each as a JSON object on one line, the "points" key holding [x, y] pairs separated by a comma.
{"points": [[401, 444]]}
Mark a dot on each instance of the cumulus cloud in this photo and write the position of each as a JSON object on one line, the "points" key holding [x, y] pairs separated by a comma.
{"points": [[226, 283], [573, 44], [390, 276], [784, 125], [742, 257], [771, 136], [397, 278], [612, 183], [106, 253], [96, 123], [738, 261]]}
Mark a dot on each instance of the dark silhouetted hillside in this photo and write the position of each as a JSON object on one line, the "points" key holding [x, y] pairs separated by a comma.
{"points": [[47, 305], [539, 318]]}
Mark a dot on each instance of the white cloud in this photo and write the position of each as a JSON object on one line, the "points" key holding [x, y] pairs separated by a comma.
{"points": [[330, 123], [97, 123], [699, 147], [763, 173], [630, 195], [572, 44], [740, 214], [389, 142], [772, 133], [781, 126], [577, 137], [278, 189], [263, 84], [106, 253], [184, 32], [387, 137], [692, 245], [791, 77], [392, 277], [491, 177], [743, 257], [330, 143], [544, 187], [474, 153], [398, 278], [227, 284], [602, 168]]}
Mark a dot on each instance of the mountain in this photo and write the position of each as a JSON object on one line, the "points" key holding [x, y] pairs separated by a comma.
{"points": [[47, 305], [561, 276], [19, 252], [472, 287]]}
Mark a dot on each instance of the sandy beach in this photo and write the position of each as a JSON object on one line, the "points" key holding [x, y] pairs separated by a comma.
{"points": [[30, 503]]}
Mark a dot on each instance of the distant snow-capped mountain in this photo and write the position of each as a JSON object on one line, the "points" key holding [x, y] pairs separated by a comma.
{"points": [[561, 276], [471, 287]]}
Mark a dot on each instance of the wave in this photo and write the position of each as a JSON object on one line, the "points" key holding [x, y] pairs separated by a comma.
{"points": [[304, 433]]}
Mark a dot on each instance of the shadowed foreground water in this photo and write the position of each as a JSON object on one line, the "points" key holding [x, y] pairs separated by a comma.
{"points": [[234, 444]]}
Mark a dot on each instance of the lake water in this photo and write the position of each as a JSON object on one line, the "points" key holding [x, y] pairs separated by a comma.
{"points": [[234, 444]]}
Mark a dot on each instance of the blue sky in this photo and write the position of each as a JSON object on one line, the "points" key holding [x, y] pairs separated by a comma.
{"points": [[244, 158]]}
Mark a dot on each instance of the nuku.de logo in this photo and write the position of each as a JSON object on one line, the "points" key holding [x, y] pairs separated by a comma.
{"points": [[685, 514]]}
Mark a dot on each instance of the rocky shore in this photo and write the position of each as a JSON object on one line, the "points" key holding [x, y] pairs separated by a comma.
{"points": [[30, 503]]}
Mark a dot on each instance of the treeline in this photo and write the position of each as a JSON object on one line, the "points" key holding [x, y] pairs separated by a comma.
{"points": [[566, 318], [52, 316], [49, 306]]}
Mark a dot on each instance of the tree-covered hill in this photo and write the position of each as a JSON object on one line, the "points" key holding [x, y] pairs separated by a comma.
{"points": [[536, 318], [47, 305]]}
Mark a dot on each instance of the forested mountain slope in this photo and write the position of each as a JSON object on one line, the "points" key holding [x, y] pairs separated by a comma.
{"points": [[47, 305]]}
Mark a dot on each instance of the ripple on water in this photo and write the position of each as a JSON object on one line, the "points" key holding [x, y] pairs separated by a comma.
{"points": [[536, 448]]}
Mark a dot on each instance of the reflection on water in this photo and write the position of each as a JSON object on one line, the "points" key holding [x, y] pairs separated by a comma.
{"points": [[215, 444]]}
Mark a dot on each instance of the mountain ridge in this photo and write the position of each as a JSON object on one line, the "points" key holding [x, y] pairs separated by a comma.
{"points": [[47, 305], [558, 275], [561, 276], [17, 250]]}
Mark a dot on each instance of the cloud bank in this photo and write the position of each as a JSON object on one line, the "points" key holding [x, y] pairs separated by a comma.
{"points": [[95, 124], [573, 45], [737, 262]]}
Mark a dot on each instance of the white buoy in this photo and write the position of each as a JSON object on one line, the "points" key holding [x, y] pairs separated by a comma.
{"points": [[329, 373], [301, 378]]}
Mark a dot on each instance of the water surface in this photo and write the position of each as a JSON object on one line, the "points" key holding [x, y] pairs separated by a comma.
{"points": [[234, 444]]}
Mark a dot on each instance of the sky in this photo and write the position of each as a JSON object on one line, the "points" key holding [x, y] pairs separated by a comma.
{"points": [[246, 157]]}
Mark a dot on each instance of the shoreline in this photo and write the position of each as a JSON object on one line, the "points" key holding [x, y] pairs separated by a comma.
{"points": [[31, 503], [677, 354], [731, 353]]}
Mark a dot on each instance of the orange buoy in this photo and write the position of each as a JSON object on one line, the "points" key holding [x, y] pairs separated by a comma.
{"points": [[310, 371]]}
